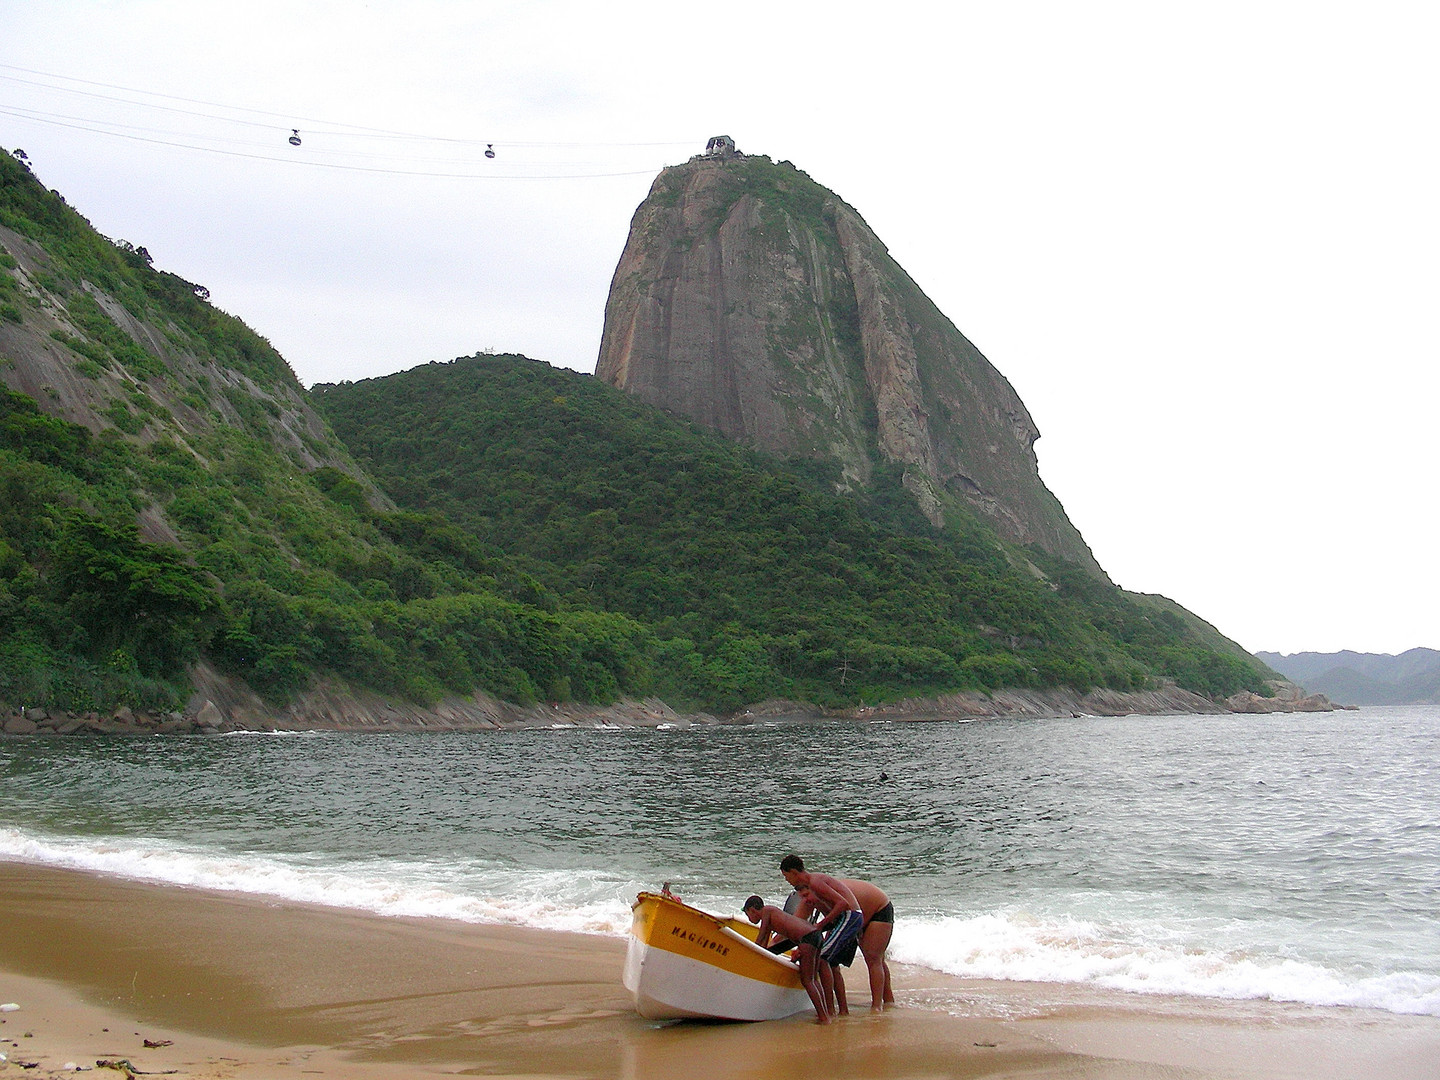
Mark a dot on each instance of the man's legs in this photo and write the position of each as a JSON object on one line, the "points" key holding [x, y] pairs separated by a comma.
{"points": [[839, 948], [809, 961], [826, 975], [873, 943]]}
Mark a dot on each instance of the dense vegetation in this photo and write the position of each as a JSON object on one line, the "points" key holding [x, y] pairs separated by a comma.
{"points": [[89, 615], [289, 574], [756, 579]]}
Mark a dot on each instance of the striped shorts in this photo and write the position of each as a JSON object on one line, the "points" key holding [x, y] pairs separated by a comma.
{"points": [[839, 947]]}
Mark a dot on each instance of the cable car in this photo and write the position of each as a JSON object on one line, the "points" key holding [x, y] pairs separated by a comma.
{"points": [[490, 150], [294, 139]]}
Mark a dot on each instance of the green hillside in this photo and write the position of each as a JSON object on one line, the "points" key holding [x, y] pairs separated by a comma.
{"points": [[167, 493], [756, 579]]}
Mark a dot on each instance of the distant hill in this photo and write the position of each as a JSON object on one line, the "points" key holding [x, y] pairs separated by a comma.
{"points": [[1354, 678]]}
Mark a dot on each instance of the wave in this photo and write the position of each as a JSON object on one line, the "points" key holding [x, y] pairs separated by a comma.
{"points": [[1007, 945], [1017, 946], [544, 899]]}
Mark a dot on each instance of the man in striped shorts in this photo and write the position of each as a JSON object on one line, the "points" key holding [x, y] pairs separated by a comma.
{"points": [[842, 922]]}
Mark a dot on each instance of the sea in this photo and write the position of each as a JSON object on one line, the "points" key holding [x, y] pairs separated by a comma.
{"points": [[1290, 857]]}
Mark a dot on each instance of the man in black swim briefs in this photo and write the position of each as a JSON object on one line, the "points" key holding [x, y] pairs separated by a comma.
{"points": [[878, 920], [773, 920], [879, 916]]}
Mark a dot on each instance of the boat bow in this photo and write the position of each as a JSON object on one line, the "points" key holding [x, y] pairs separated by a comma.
{"points": [[686, 963]]}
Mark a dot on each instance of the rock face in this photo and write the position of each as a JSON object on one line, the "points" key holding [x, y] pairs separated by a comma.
{"points": [[756, 302], [48, 353]]}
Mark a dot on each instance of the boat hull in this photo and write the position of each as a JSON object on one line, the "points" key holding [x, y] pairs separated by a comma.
{"points": [[685, 963]]}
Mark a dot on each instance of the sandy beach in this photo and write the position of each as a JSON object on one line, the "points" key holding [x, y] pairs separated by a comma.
{"points": [[236, 986]]}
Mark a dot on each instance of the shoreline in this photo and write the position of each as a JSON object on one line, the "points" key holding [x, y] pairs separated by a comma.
{"points": [[244, 987], [220, 704]]}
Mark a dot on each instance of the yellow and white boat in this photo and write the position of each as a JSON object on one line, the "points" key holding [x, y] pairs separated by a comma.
{"points": [[686, 963]]}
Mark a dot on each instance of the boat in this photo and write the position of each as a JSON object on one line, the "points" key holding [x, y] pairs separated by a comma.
{"points": [[684, 963]]}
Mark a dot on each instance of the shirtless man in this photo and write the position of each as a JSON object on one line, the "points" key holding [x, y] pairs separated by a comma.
{"points": [[832, 979], [772, 920], [879, 915], [842, 918]]}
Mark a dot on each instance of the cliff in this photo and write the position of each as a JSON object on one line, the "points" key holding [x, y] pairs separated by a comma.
{"points": [[757, 302]]}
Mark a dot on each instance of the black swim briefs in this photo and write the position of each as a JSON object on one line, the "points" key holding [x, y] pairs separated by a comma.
{"points": [[815, 937], [885, 914]]}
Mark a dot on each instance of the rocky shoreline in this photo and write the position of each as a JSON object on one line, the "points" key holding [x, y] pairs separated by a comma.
{"points": [[221, 705]]}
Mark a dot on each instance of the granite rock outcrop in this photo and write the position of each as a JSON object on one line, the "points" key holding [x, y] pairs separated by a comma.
{"points": [[757, 302]]}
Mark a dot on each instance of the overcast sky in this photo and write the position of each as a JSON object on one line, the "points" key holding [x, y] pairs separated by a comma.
{"points": [[1199, 239]]}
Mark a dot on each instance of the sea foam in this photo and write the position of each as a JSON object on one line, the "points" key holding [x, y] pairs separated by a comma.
{"points": [[1017, 946], [544, 899]]}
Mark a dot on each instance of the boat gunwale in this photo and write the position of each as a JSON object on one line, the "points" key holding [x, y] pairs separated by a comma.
{"points": [[758, 948]]}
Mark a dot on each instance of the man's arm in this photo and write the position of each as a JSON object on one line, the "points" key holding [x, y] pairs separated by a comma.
{"points": [[762, 937], [839, 901]]}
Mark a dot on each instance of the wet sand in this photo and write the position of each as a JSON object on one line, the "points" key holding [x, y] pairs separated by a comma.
{"points": [[245, 988]]}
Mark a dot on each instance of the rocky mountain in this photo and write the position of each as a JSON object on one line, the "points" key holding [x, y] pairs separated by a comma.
{"points": [[1355, 678], [760, 304], [91, 331]]}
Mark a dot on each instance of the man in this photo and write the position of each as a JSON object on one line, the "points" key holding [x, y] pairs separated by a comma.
{"points": [[842, 920], [771, 919], [832, 979], [879, 916]]}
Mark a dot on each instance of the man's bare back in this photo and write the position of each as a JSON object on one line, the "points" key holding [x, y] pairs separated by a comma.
{"points": [[774, 920], [870, 896]]}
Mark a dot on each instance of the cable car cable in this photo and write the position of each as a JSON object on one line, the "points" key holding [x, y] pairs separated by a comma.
{"points": [[328, 164]]}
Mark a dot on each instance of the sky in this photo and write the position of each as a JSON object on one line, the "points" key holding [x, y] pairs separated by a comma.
{"points": [[1199, 239]]}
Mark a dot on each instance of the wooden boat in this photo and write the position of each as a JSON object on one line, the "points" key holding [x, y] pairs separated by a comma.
{"points": [[683, 962]]}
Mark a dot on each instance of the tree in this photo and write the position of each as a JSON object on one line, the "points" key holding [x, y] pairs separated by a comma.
{"points": [[123, 593]]}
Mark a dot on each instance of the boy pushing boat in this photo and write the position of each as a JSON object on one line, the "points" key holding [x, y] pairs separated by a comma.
{"points": [[772, 920]]}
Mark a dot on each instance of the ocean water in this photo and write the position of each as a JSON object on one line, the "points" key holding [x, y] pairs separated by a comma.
{"points": [[1291, 858]]}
